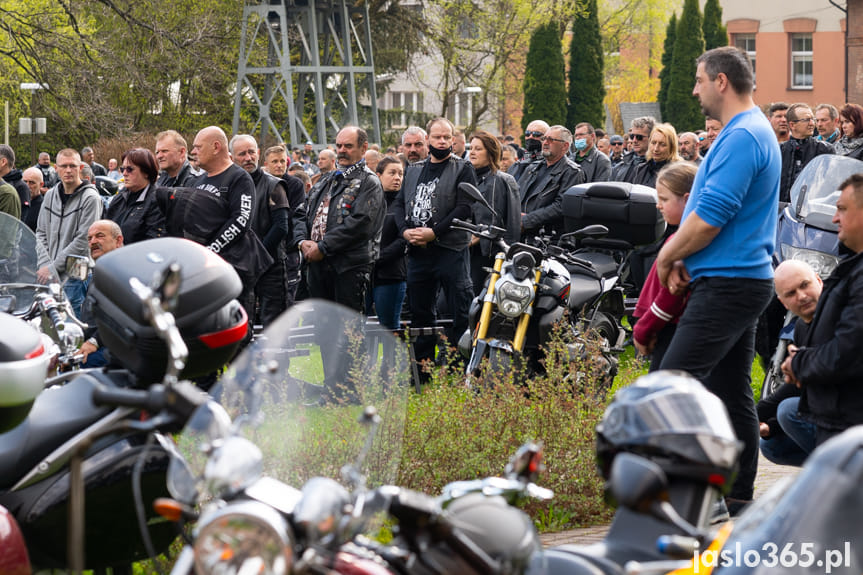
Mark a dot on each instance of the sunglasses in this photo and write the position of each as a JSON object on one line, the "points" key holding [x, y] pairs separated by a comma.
{"points": [[617, 143], [550, 139], [638, 137], [127, 169], [531, 133]]}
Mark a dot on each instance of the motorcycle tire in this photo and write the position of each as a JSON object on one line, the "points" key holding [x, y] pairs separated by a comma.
{"points": [[772, 382]]}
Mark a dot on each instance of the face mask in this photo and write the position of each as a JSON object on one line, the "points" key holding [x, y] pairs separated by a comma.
{"points": [[580, 144], [440, 154], [532, 145]]}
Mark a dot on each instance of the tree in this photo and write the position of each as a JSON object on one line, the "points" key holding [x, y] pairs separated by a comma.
{"points": [[633, 39], [544, 78], [586, 63], [715, 34], [667, 55], [684, 111]]}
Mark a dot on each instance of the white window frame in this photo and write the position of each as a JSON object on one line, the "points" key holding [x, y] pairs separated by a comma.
{"points": [[801, 56], [409, 102]]}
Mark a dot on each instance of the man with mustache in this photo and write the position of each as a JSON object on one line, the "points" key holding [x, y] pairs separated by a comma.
{"points": [[346, 214]]}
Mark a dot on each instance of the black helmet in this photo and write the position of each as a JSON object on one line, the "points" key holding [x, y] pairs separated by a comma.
{"points": [[24, 367], [670, 418]]}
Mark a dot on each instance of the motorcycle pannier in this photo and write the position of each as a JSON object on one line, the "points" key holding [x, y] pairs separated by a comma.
{"points": [[627, 210], [211, 321]]}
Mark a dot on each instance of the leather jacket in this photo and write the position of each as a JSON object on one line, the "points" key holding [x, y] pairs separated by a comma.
{"points": [[829, 363], [544, 207], [354, 218]]}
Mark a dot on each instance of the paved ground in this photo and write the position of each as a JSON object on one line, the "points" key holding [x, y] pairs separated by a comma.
{"points": [[768, 474]]}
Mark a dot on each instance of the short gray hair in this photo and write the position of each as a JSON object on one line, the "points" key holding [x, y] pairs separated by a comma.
{"points": [[8, 153], [413, 131], [239, 137], [565, 134], [646, 122]]}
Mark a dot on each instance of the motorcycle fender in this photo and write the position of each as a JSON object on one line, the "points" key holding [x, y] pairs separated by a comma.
{"points": [[185, 563], [582, 290], [556, 562], [480, 350], [547, 321], [13, 552]]}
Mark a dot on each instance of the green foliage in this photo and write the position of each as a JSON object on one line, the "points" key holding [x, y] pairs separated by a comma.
{"points": [[544, 80], [667, 56], [683, 109], [586, 63], [715, 34]]}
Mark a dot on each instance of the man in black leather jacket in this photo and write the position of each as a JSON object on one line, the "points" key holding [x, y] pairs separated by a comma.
{"points": [[800, 148], [345, 216], [280, 223], [829, 365], [438, 256], [543, 184]]}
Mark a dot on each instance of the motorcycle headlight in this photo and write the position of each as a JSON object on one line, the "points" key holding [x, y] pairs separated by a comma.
{"points": [[246, 537], [513, 297], [821, 262]]}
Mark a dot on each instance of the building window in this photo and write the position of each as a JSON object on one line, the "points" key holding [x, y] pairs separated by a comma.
{"points": [[408, 103], [801, 60], [746, 42]]}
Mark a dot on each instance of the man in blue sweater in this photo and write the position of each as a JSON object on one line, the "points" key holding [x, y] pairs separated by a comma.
{"points": [[722, 251]]}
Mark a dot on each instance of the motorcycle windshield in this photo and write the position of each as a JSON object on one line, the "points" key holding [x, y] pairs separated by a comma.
{"points": [[21, 256], [816, 189], [300, 390]]}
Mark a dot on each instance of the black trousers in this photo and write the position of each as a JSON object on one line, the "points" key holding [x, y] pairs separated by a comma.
{"points": [[715, 343], [347, 288]]}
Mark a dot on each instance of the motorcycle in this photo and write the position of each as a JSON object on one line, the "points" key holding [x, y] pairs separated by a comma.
{"points": [[42, 305], [81, 451], [805, 232], [587, 273], [24, 362], [291, 410]]}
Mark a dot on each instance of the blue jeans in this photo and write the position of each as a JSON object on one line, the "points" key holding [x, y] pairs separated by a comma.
{"points": [[797, 443], [715, 343], [76, 291], [388, 303]]}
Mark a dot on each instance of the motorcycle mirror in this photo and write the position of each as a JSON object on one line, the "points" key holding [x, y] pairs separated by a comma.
{"points": [[636, 482], [78, 267], [474, 194], [169, 286], [527, 462]]}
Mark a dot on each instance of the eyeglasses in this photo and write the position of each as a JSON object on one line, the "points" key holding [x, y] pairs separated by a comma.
{"points": [[531, 133], [550, 139], [127, 169], [67, 166], [617, 143], [807, 120], [638, 137]]}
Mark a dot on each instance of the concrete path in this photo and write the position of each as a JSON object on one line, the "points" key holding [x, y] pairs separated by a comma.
{"points": [[768, 474]]}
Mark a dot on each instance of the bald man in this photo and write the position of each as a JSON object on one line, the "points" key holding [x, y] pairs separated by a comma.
{"points": [[236, 190], [786, 438], [35, 181]]}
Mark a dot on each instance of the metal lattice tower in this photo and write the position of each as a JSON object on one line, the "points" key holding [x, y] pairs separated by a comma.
{"points": [[305, 67]]}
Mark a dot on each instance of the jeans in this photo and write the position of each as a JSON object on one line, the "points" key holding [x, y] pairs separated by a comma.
{"points": [[715, 343], [76, 291], [429, 269], [388, 303], [797, 443], [347, 288]]}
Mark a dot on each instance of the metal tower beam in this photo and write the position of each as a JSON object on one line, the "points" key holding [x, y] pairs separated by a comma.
{"points": [[305, 71]]}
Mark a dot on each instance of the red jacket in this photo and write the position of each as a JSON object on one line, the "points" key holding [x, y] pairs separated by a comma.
{"points": [[656, 307]]}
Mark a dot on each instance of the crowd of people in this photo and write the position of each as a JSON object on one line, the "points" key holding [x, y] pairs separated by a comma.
{"points": [[372, 229]]}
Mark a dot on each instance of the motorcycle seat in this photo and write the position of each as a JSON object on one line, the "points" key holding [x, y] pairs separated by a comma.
{"points": [[57, 415], [603, 264]]}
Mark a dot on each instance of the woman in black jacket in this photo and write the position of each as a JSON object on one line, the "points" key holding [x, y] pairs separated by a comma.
{"points": [[661, 150], [390, 272], [501, 192], [134, 208], [851, 127]]}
